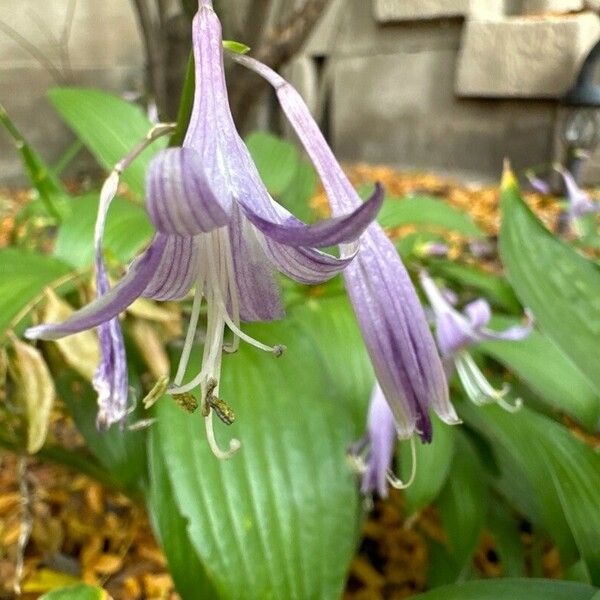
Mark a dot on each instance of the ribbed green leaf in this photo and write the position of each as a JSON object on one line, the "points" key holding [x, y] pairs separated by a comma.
{"points": [[127, 231], [109, 127], [512, 589], [77, 592], [279, 519], [426, 211], [433, 467], [504, 528], [23, 277], [562, 386], [561, 287]]}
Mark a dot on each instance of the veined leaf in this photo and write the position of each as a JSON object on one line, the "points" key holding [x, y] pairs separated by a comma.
{"points": [[109, 127], [280, 518], [77, 592], [561, 287], [23, 277], [512, 589], [548, 372], [426, 211], [128, 230]]}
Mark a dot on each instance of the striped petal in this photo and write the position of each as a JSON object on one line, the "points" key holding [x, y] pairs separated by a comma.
{"points": [[388, 310], [258, 291], [177, 270], [115, 301], [180, 199]]}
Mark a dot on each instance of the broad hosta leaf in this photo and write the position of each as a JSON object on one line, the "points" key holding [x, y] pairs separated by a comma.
{"points": [[562, 386], [122, 453], [276, 159], [563, 471], [191, 579], [332, 324], [512, 589], [462, 504], [23, 277], [77, 592], [561, 287], [496, 289], [279, 519], [433, 467], [504, 528], [428, 212], [297, 195], [109, 127], [127, 231]]}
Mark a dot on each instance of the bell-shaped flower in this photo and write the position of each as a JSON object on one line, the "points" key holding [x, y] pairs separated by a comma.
{"points": [[218, 229], [457, 331], [392, 321], [372, 456], [579, 202]]}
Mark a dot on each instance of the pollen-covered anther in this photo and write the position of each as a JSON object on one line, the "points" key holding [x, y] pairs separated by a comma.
{"points": [[279, 350], [222, 409], [186, 401]]}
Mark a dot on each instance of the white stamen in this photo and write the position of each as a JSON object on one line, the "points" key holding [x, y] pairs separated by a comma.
{"points": [[234, 444], [397, 483], [478, 388]]}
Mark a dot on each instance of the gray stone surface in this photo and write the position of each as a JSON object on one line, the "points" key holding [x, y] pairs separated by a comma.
{"points": [[399, 10], [385, 111], [105, 51], [524, 57]]}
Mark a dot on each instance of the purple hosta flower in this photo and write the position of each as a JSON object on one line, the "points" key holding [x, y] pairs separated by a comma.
{"points": [[373, 454], [539, 185], [579, 202], [457, 331], [219, 230], [387, 307]]}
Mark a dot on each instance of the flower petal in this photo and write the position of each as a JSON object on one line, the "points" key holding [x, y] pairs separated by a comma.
{"points": [[580, 204], [177, 270], [290, 231], [180, 198], [514, 334], [258, 291], [382, 437], [478, 312], [115, 301]]}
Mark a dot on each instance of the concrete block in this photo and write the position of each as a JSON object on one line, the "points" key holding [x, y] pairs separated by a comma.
{"points": [[551, 6], [407, 10], [400, 109], [523, 57]]}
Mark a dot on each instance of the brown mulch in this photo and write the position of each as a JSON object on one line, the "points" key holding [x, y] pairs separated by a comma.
{"points": [[82, 531]]}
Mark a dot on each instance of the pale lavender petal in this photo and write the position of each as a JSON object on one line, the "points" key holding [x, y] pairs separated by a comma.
{"points": [[580, 204], [329, 232], [177, 270], [388, 310], [180, 198], [539, 185], [381, 433], [478, 312], [514, 333], [258, 291], [115, 301]]}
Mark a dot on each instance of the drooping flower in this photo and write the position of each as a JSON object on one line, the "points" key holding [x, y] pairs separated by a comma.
{"points": [[392, 321], [538, 184], [373, 454], [218, 229], [457, 331], [579, 202]]}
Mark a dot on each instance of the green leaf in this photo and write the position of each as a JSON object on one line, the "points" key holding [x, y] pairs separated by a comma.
{"points": [[297, 195], [41, 177], [121, 452], [562, 386], [23, 277], [561, 287], [512, 589], [128, 230], [563, 471], [462, 504], [496, 289], [433, 467], [236, 47], [170, 527], [77, 592], [507, 537], [426, 211], [279, 519], [109, 127], [276, 160]]}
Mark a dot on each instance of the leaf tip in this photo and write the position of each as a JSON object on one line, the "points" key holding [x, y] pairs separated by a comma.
{"points": [[509, 181]]}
